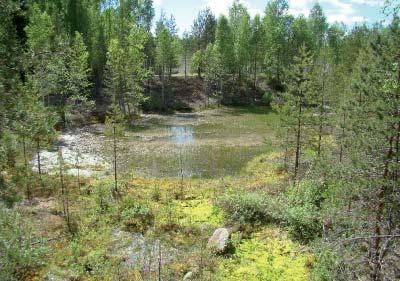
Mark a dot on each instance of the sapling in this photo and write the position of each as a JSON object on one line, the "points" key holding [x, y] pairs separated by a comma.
{"points": [[115, 130], [64, 190]]}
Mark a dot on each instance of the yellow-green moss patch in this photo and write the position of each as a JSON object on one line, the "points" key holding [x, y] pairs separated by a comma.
{"points": [[267, 256]]}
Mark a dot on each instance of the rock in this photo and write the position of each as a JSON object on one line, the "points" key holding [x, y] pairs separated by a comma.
{"points": [[220, 242], [188, 276], [140, 252]]}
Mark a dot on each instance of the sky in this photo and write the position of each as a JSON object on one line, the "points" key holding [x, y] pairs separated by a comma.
{"points": [[349, 12]]}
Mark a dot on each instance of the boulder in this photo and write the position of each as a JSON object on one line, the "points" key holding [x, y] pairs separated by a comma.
{"points": [[220, 242], [188, 276]]}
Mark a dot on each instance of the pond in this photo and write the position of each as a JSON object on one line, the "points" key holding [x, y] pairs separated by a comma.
{"points": [[182, 134], [213, 143]]}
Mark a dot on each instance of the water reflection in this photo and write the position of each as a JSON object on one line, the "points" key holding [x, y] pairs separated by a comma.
{"points": [[182, 134]]}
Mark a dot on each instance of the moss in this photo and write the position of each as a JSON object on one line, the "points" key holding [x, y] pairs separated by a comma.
{"points": [[198, 212], [264, 168], [268, 255]]}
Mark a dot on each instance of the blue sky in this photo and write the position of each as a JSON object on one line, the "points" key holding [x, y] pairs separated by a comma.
{"points": [[349, 12]]}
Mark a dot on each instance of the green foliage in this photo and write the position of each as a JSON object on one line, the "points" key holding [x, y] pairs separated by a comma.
{"points": [[135, 216], [125, 74], [267, 98], [242, 44], [224, 41], [8, 193], [241, 207], [203, 29], [197, 65], [325, 263], [104, 197], [302, 214], [20, 252], [275, 21], [39, 32]]}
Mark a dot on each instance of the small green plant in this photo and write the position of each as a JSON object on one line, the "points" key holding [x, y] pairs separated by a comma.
{"points": [[135, 216], [103, 197], [267, 98], [20, 252], [302, 213], [241, 207], [156, 193], [325, 263]]}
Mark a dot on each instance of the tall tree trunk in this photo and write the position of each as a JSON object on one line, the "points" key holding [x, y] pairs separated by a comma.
{"points": [[115, 159], [342, 137], [163, 87], [78, 170], [27, 185], [379, 205], [159, 261], [286, 155], [255, 74], [38, 158], [322, 112], [321, 125], [398, 150], [185, 65], [298, 140], [64, 192]]}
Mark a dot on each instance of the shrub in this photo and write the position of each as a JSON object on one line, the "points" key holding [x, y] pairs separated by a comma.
{"points": [[103, 197], [20, 253], [135, 216], [8, 194], [302, 213], [325, 264], [267, 98], [245, 208]]}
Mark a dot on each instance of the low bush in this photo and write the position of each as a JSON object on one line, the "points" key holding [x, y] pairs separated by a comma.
{"points": [[252, 208], [302, 214], [324, 265], [267, 98], [135, 216], [103, 197], [20, 252]]}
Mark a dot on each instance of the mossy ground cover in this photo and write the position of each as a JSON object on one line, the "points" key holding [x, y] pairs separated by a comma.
{"points": [[269, 255], [180, 214]]}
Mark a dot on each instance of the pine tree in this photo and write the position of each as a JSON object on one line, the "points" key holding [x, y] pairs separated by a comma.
{"points": [[295, 105], [203, 29], [115, 130]]}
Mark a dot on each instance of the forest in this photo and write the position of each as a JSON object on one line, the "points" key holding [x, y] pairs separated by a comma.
{"points": [[248, 148]]}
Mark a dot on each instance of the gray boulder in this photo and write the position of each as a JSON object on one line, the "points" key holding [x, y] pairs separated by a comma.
{"points": [[220, 242], [188, 276]]}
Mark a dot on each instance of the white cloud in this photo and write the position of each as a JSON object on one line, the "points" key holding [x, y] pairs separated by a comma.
{"points": [[346, 11], [300, 7], [221, 7], [372, 3], [157, 3], [339, 11]]}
